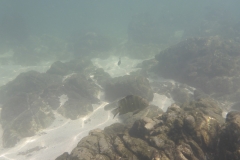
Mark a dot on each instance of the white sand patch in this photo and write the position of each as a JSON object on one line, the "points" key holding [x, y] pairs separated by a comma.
{"points": [[162, 101], [62, 136]]}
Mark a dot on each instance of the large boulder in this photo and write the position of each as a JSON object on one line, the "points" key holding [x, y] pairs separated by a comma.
{"points": [[28, 82], [77, 94], [24, 112], [229, 144], [83, 66], [190, 131]]}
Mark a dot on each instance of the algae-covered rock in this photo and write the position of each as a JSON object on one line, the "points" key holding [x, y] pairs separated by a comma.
{"points": [[24, 116], [149, 112], [75, 108], [79, 93], [190, 131], [58, 68], [28, 82], [96, 144], [181, 95], [83, 65], [210, 64], [187, 130], [78, 84], [28, 100], [229, 144], [101, 77]]}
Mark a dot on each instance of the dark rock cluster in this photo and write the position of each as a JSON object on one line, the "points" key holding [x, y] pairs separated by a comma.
{"points": [[192, 131], [195, 129], [229, 141], [22, 116], [30, 100], [211, 64]]}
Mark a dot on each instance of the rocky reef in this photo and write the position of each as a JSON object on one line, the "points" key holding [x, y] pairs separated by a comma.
{"points": [[194, 130], [229, 143], [211, 64], [23, 115], [30, 100]]}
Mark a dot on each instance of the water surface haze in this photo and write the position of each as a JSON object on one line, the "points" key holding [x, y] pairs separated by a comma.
{"points": [[61, 60]]}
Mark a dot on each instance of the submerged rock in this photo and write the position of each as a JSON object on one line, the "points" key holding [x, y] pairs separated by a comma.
{"points": [[64, 156], [28, 100], [79, 94], [210, 64], [24, 116], [58, 68], [28, 82], [83, 66], [229, 143], [190, 131]]}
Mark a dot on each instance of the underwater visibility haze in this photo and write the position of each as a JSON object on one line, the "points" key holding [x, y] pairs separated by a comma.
{"points": [[123, 79]]}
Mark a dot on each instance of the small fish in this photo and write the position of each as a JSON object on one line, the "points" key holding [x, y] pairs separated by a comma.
{"points": [[130, 103], [119, 61]]}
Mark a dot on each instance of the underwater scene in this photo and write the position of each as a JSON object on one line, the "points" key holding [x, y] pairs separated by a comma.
{"points": [[119, 80]]}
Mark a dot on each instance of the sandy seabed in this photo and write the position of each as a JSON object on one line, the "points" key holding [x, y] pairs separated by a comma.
{"points": [[64, 134]]}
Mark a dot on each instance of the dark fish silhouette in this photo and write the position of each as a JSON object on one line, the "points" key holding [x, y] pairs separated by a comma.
{"points": [[119, 62], [130, 103]]}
